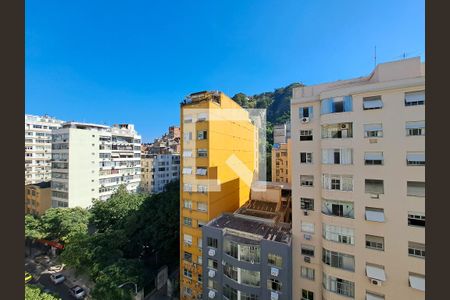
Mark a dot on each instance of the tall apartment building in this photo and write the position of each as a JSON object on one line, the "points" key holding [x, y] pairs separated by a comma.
{"points": [[166, 168], [281, 133], [38, 198], [38, 138], [359, 200], [91, 161], [281, 162], [218, 164], [147, 177], [248, 253]]}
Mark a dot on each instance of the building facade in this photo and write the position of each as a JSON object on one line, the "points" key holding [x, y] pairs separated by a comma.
{"points": [[91, 161], [38, 198], [281, 133], [38, 147], [166, 168], [218, 164], [248, 253], [147, 177], [359, 200], [281, 162]]}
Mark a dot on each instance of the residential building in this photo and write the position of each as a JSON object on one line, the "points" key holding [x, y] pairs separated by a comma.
{"points": [[38, 198], [359, 204], [147, 174], [218, 164], [281, 133], [166, 168], [91, 161], [248, 253], [167, 144], [281, 162], [38, 148]]}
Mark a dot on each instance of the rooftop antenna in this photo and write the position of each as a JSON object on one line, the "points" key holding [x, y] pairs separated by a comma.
{"points": [[375, 56]]}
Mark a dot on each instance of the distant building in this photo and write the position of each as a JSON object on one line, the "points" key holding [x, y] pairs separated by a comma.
{"points": [[38, 198], [281, 133], [147, 176], [247, 254], [38, 148], [167, 144], [91, 161], [166, 168], [281, 162]]}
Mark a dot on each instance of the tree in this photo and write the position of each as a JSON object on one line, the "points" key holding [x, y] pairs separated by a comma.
{"points": [[64, 223], [33, 227], [35, 293]]}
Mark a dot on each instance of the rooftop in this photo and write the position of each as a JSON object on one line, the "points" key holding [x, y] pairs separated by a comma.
{"points": [[42, 185]]}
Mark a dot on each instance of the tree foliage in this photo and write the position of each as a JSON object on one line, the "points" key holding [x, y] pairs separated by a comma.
{"points": [[33, 228], [35, 293]]}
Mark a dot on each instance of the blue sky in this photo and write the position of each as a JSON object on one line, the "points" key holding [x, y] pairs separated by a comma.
{"points": [[133, 61]]}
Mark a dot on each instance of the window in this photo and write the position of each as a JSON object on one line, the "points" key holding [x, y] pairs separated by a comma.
{"points": [[375, 214], [338, 208], [230, 293], [375, 242], [211, 242], [202, 171], [373, 130], [416, 219], [202, 135], [374, 186], [187, 204], [415, 159], [415, 188], [305, 157], [202, 206], [307, 227], [415, 128], [375, 272], [373, 158], [307, 273], [202, 189], [187, 239], [337, 182], [199, 259], [187, 136], [187, 153], [337, 131], [338, 260], [188, 256], [187, 291], [231, 248], [202, 152], [415, 98], [187, 273], [306, 180], [305, 112], [187, 187], [202, 117], [307, 295], [307, 250], [201, 223], [337, 156], [417, 281], [338, 234], [374, 102], [336, 105], [339, 286], [306, 135], [275, 260], [187, 171], [373, 296], [307, 203], [274, 284], [212, 284], [416, 249], [212, 263], [199, 278], [188, 221], [188, 119]]}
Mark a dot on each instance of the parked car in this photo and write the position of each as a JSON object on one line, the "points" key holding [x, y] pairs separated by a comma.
{"points": [[78, 292], [28, 277], [57, 278]]}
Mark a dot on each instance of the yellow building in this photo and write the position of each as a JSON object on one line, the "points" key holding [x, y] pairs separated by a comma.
{"points": [[218, 164], [281, 166], [38, 198]]}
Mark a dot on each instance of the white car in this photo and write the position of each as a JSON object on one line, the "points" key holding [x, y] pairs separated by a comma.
{"points": [[77, 292], [57, 278]]}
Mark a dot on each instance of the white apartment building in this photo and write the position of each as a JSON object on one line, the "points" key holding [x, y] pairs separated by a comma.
{"points": [[281, 133], [91, 161], [166, 168], [358, 186], [38, 130]]}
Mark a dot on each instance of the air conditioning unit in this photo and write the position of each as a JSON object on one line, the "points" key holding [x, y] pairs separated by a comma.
{"points": [[211, 294], [252, 261], [375, 196], [211, 273], [273, 296], [305, 120], [223, 263], [307, 259], [307, 236], [305, 212], [274, 271], [375, 282], [211, 252], [344, 126]]}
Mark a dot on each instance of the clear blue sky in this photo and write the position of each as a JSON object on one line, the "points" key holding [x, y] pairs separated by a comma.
{"points": [[134, 61]]}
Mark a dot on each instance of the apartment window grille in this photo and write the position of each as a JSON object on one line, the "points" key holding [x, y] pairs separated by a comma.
{"points": [[373, 102], [375, 214], [415, 159], [187, 221], [307, 227], [306, 135], [415, 188], [336, 105], [306, 180], [307, 295], [374, 186], [338, 208], [337, 156], [305, 112], [202, 153], [416, 219], [305, 157], [373, 158], [415, 98], [416, 249], [212, 242], [274, 284], [338, 234], [307, 250], [373, 130], [338, 285], [338, 260], [202, 171], [275, 260], [337, 182], [375, 242], [202, 135], [307, 273], [415, 128], [307, 204]]}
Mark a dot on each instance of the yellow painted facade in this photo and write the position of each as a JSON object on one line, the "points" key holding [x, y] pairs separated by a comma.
{"points": [[228, 155], [281, 163], [38, 198]]}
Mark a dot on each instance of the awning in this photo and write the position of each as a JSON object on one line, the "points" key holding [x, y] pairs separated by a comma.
{"points": [[415, 156], [373, 156], [370, 296], [417, 282], [375, 272], [373, 127], [373, 103], [374, 215], [415, 96], [415, 125]]}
